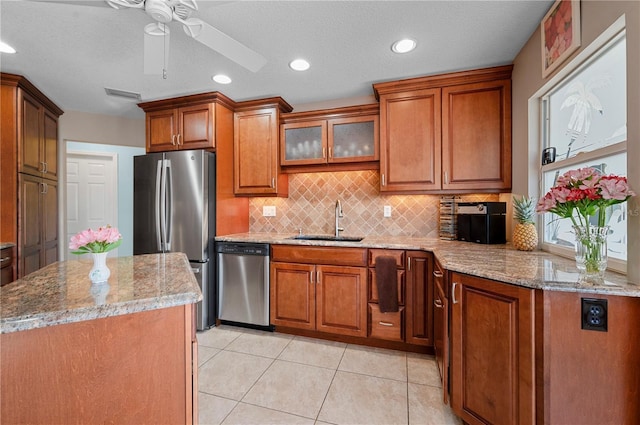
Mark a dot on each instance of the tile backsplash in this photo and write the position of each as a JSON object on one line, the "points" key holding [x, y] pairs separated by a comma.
{"points": [[311, 207]]}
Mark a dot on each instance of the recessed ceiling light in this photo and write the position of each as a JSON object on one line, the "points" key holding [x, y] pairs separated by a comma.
{"points": [[221, 79], [299, 65], [403, 46], [5, 48]]}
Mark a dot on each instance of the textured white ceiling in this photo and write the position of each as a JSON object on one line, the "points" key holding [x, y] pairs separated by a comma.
{"points": [[73, 51]]}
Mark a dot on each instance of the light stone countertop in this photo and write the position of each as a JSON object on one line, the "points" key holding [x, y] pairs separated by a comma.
{"points": [[532, 269], [62, 292], [4, 245]]}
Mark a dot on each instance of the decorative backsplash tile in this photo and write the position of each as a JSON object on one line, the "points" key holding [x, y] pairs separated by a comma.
{"points": [[311, 207]]}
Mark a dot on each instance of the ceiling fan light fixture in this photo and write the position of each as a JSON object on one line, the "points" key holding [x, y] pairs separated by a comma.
{"points": [[159, 10], [299, 65], [5, 48], [403, 46], [221, 79]]}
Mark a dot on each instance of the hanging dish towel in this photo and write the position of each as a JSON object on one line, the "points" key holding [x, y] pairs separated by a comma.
{"points": [[387, 283]]}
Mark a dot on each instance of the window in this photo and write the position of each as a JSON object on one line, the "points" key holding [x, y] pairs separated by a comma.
{"points": [[585, 119]]}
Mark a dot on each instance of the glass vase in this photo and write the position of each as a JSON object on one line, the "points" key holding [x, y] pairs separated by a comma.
{"points": [[591, 250], [99, 272]]}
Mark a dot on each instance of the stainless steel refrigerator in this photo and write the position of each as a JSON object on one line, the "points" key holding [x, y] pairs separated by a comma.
{"points": [[174, 211]]}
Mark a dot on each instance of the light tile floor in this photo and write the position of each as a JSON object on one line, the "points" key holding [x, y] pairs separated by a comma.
{"points": [[254, 377]]}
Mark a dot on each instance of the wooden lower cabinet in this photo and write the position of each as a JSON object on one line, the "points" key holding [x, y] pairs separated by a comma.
{"points": [[441, 326], [318, 297], [419, 298], [37, 223], [492, 351], [138, 368]]}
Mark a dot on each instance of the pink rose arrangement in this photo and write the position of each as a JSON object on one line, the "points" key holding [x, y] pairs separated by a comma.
{"points": [[587, 192], [93, 241]]}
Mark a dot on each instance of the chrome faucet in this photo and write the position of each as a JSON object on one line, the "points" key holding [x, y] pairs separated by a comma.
{"points": [[338, 216]]}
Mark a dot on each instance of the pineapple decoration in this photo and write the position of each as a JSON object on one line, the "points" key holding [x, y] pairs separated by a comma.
{"points": [[525, 236]]}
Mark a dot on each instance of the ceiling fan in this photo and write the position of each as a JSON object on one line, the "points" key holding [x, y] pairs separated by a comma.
{"points": [[156, 34]]}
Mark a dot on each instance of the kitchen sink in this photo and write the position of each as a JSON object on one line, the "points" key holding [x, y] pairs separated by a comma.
{"points": [[331, 238]]}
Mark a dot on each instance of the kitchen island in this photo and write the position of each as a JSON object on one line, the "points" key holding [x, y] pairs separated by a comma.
{"points": [[518, 337], [124, 352]]}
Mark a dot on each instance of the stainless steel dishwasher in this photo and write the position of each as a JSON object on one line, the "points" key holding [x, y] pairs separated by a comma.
{"points": [[243, 283]]}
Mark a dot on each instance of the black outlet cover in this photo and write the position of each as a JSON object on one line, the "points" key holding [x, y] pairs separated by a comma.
{"points": [[594, 314]]}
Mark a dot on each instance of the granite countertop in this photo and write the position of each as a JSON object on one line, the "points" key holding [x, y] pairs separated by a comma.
{"points": [[4, 245], [533, 269], [62, 292]]}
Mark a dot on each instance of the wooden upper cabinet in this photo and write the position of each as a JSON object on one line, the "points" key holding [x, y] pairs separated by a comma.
{"points": [[31, 158], [188, 127], [196, 127], [476, 136], [410, 141], [162, 127], [332, 138], [256, 146], [38, 135], [448, 133], [182, 123], [50, 145]]}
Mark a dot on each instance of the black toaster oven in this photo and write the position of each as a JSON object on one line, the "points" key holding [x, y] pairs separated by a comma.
{"points": [[481, 222]]}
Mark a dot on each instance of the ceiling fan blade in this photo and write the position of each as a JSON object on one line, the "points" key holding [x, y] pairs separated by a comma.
{"points": [[99, 3], [222, 43], [156, 49]]}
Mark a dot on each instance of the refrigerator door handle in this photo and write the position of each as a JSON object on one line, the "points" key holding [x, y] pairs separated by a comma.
{"points": [[163, 206], [169, 205], [158, 204]]}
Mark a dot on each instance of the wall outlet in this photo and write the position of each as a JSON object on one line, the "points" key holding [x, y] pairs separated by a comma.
{"points": [[269, 211], [387, 210], [594, 314]]}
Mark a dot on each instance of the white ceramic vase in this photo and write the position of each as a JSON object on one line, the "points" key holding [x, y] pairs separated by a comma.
{"points": [[99, 272]]}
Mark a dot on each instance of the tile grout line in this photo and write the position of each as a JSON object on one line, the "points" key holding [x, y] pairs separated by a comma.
{"points": [[335, 372]]}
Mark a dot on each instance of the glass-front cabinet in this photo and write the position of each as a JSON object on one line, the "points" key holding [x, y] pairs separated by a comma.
{"points": [[344, 135]]}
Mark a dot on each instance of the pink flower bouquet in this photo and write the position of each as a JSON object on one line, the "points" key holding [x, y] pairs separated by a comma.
{"points": [[94, 241], [587, 192]]}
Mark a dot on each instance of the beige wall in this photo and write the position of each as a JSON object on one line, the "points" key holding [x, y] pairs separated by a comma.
{"points": [[596, 16], [106, 129]]}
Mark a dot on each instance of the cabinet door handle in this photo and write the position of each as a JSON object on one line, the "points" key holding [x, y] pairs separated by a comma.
{"points": [[178, 139], [438, 303], [311, 275], [318, 276], [446, 178], [409, 264], [44, 189], [438, 273], [385, 323], [2, 260], [44, 168], [173, 139], [324, 153], [330, 153], [273, 182], [453, 292], [383, 182]]}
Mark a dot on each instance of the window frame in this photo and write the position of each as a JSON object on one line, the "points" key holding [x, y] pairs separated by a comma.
{"points": [[596, 49]]}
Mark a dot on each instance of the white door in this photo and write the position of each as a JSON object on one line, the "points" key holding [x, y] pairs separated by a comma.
{"points": [[92, 193]]}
